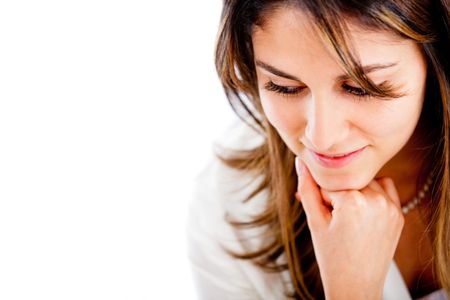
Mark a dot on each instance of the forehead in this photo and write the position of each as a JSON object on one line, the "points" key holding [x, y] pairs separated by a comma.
{"points": [[290, 37]]}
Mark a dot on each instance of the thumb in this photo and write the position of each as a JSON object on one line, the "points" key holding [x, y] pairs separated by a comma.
{"points": [[308, 193]]}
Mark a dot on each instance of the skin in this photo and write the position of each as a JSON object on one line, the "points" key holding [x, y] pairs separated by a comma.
{"points": [[353, 212]]}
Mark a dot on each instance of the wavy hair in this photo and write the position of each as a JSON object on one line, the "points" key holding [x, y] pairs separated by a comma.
{"points": [[424, 21]]}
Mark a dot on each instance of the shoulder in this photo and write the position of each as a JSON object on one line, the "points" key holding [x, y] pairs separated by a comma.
{"points": [[223, 187], [220, 190]]}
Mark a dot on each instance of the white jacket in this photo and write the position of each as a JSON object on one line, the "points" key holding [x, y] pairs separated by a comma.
{"points": [[219, 189]]}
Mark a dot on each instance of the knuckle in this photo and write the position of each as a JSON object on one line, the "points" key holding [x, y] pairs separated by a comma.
{"points": [[353, 200], [401, 220], [383, 203], [394, 213], [380, 200], [352, 196], [377, 201], [398, 213]]}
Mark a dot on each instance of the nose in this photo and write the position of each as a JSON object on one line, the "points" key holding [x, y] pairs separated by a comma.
{"points": [[327, 124]]}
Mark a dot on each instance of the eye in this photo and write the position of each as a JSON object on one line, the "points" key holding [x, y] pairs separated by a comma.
{"points": [[283, 90], [356, 91]]}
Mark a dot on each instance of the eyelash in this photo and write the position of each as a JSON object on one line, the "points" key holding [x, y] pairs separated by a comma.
{"points": [[361, 94]]}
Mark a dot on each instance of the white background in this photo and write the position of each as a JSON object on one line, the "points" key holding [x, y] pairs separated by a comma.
{"points": [[107, 112]]}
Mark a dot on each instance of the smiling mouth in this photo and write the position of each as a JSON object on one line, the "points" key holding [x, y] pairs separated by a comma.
{"points": [[337, 156], [338, 160]]}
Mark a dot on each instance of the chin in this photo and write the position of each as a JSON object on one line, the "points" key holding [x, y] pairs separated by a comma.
{"points": [[341, 183]]}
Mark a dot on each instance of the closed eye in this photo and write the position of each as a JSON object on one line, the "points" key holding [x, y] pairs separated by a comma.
{"points": [[284, 90], [358, 92], [355, 90]]}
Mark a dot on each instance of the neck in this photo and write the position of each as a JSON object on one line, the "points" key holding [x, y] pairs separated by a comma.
{"points": [[405, 167]]}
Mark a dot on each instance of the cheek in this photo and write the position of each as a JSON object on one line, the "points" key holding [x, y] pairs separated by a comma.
{"points": [[396, 120], [285, 117], [390, 129]]}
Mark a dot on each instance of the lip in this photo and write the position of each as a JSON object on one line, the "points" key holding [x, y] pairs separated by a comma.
{"points": [[337, 162]]}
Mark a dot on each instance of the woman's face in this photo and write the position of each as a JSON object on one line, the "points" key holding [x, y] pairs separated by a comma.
{"points": [[316, 109]]}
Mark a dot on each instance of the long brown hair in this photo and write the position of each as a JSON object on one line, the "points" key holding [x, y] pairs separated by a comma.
{"points": [[424, 21]]}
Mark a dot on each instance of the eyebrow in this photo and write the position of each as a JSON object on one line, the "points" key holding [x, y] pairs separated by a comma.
{"points": [[367, 69]]}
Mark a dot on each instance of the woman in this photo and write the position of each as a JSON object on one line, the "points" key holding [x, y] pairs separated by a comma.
{"points": [[347, 191]]}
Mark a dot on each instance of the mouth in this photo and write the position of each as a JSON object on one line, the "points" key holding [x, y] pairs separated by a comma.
{"points": [[337, 160]]}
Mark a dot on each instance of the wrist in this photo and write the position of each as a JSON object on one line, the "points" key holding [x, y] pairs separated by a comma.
{"points": [[346, 296], [348, 292]]}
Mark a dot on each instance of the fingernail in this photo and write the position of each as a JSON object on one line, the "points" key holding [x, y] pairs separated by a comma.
{"points": [[298, 166]]}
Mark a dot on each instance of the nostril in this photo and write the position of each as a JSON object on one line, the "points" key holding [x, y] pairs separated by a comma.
{"points": [[325, 130]]}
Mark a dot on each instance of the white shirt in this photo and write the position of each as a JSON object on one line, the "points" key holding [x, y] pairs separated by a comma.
{"points": [[219, 189]]}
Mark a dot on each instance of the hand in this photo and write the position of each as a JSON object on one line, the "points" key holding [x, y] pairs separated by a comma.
{"points": [[354, 234]]}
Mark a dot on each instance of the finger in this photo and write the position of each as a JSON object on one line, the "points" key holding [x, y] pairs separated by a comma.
{"points": [[388, 186], [327, 198], [308, 193], [375, 185], [333, 198]]}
